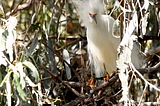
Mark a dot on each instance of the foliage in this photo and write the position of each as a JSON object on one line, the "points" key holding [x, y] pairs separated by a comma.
{"points": [[43, 57]]}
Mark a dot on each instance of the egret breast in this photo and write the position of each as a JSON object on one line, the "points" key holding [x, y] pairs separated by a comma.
{"points": [[103, 50]]}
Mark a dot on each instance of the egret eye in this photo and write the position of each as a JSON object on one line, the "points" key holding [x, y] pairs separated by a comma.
{"points": [[92, 15]]}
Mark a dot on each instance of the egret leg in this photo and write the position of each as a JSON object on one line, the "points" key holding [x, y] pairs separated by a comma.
{"points": [[105, 79], [109, 76], [91, 83]]}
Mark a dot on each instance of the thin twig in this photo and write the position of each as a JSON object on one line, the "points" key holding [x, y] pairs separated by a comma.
{"points": [[150, 69], [23, 6], [141, 76], [64, 83], [94, 91]]}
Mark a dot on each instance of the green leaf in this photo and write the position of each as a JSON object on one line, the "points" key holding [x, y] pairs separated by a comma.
{"points": [[19, 67], [33, 68], [33, 44], [53, 28], [22, 94], [5, 78]]}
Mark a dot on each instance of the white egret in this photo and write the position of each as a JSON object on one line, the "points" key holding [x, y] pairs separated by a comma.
{"points": [[102, 45]]}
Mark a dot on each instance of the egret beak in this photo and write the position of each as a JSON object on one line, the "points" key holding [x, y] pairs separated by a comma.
{"points": [[93, 16]]}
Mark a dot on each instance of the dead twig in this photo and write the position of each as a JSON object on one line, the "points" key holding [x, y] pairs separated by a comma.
{"points": [[23, 6], [150, 69], [64, 83], [94, 91]]}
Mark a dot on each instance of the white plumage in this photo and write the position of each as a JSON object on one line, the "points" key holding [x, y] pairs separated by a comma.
{"points": [[102, 45]]}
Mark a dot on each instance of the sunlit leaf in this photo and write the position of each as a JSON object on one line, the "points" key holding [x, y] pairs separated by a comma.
{"points": [[57, 101], [145, 5], [132, 25], [0, 77], [30, 82], [144, 23], [3, 61], [66, 57], [8, 88], [33, 69], [2, 40], [9, 43], [11, 23], [5, 78], [22, 94], [19, 67]]}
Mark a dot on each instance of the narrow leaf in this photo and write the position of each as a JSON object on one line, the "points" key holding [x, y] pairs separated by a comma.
{"points": [[5, 78], [33, 69], [22, 94], [30, 82], [8, 88], [33, 44], [66, 57], [19, 67], [51, 56]]}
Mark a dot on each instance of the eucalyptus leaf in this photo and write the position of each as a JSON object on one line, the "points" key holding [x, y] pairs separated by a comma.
{"points": [[33, 44], [22, 94], [30, 82], [0, 77], [3, 61], [5, 78], [33, 69], [8, 88], [11, 23], [144, 23], [66, 57], [19, 67], [2, 40], [51, 56]]}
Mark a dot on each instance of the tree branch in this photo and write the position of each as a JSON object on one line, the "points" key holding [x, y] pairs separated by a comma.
{"points": [[150, 69]]}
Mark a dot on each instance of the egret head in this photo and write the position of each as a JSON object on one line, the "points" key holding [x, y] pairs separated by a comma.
{"points": [[89, 11], [93, 17]]}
